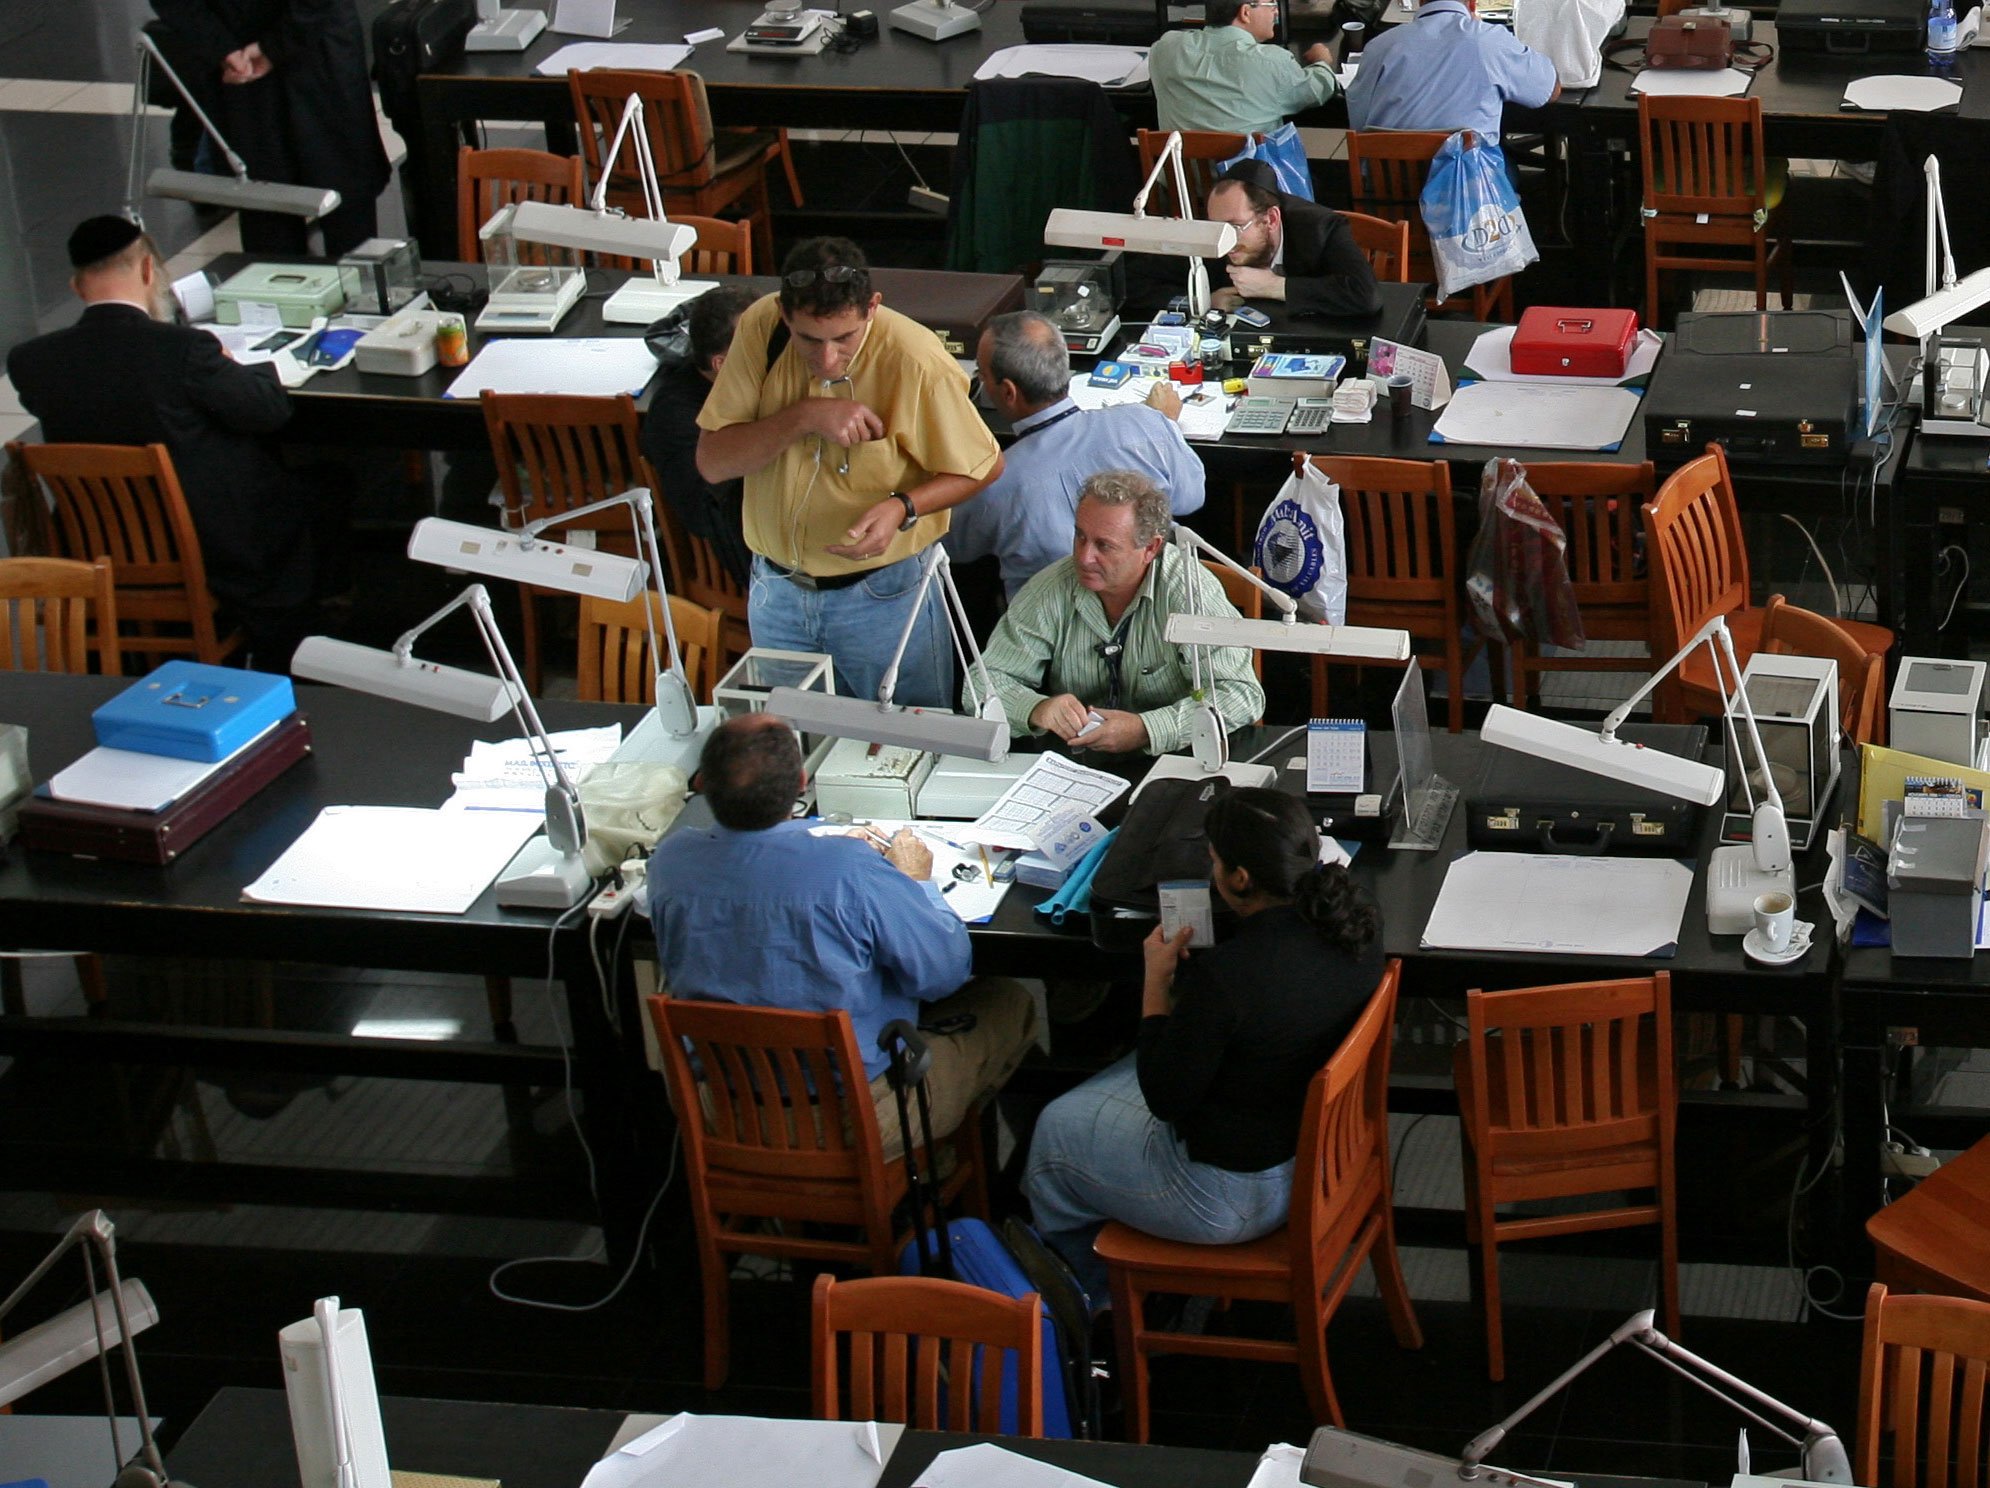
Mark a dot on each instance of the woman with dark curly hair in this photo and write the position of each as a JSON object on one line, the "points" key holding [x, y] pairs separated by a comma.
{"points": [[1193, 1136]]}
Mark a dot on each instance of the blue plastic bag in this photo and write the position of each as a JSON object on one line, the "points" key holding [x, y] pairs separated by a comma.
{"points": [[1282, 151], [1477, 231]]}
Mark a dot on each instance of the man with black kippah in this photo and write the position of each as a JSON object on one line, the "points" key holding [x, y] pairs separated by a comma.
{"points": [[1289, 249], [125, 374]]}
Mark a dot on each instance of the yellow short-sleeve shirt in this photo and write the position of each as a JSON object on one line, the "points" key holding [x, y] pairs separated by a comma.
{"points": [[801, 502]]}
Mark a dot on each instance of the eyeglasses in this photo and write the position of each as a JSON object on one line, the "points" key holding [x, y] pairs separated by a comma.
{"points": [[1246, 225], [828, 274]]}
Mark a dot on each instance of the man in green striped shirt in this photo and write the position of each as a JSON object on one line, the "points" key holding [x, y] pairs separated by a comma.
{"points": [[1081, 652]]}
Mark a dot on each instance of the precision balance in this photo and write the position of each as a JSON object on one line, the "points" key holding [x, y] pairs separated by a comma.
{"points": [[530, 298], [1081, 296]]}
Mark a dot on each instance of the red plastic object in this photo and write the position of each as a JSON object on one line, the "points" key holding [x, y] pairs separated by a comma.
{"points": [[1553, 341]]}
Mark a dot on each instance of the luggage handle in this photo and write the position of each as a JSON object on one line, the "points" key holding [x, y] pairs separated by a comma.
{"points": [[910, 1059], [1598, 844]]}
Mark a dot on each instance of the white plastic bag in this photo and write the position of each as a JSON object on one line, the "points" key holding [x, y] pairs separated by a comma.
{"points": [[1302, 546], [628, 805], [1570, 34], [1477, 231]]}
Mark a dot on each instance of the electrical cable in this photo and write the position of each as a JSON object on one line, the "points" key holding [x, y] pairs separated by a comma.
{"points": [[1837, 599], [1962, 584]]}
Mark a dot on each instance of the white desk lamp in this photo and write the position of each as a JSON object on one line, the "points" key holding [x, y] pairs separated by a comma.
{"points": [[548, 872], [936, 20], [501, 30], [1945, 300], [495, 553], [1210, 736], [234, 191], [1736, 874], [982, 734], [40, 1353], [1187, 237]]}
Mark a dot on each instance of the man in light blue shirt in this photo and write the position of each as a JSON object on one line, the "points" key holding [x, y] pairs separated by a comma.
{"points": [[1228, 75], [1025, 517], [1447, 70], [756, 909]]}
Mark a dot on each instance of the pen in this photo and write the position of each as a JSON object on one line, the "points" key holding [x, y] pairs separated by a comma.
{"points": [[985, 868]]}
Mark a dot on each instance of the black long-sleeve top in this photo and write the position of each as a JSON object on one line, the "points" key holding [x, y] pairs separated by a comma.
{"points": [[1254, 1019]]}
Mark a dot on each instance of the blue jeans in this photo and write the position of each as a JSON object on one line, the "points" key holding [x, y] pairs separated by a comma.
{"points": [[1100, 1154], [858, 626]]}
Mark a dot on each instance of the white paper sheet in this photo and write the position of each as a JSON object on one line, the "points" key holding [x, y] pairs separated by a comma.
{"points": [[985, 1465], [1563, 906], [1278, 1467], [584, 56], [1108, 66], [594, 366], [196, 295], [1533, 415], [1049, 787], [1677, 82], [1491, 359], [584, 18], [129, 780], [395, 858], [1914, 95], [1133, 390], [974, 900], [690, 1451]]}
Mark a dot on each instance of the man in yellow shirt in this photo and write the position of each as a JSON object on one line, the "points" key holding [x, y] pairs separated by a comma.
{"points": [[854, 434]]}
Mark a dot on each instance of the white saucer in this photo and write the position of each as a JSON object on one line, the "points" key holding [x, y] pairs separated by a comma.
{"points": [[1797, 949]]}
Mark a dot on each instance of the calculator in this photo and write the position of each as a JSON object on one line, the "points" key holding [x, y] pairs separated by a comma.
{"points": [[1265, 416], [1310, 416]]}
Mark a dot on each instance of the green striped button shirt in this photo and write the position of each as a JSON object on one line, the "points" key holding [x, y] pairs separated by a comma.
{"points": [[1048, 643]]}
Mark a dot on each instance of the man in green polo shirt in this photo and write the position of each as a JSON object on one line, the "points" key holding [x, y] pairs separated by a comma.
{"points": [[1229, 76], [1081, 651]]}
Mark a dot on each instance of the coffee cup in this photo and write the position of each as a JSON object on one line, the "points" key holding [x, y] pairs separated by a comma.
{"points": [[1775, 917], [1402, 392], [1352, 35]]}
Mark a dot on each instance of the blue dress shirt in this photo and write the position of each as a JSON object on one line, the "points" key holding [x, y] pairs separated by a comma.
{"points": [[1026, 516], [1446, 70], [783, 919]]}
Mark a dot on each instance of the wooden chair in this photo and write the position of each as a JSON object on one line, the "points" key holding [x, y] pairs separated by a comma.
{"points": [[487, 180], [124, 503], [908, 1338], [1402, 561], [1936, 1237], [1386, 169], [1923, 1374], [701, 171], [1203, 150], [555, 452], [1601, 509], [1707, 185], [615, 662], [1567, 1091], [1699, 569], [1342, 1214], [780, 1138], [1790, 631], [1386, 243], [1247, 599], [697, 575]]}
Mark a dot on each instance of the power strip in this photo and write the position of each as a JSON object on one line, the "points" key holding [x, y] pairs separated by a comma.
{"points": [[618, 896], [1897, 1161]]}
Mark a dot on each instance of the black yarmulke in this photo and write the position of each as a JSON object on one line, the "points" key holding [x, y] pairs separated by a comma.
{"points": [[98, 238]]}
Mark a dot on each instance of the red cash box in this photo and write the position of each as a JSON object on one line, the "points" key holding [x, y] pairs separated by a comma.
{"points": [[1552, 341]]}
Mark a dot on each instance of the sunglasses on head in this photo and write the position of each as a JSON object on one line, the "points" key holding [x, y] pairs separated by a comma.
{"points": [[828, 274]]}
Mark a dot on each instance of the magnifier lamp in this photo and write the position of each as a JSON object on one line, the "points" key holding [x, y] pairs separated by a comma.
{"points": [[1185, 237], [1736, 874], [548, 872], [982, 734], [936, 20], [523, 556], [234, 191], [1952, 375]]}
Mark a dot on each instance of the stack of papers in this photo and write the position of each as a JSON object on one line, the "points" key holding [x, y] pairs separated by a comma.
{"points": [[1537, 415], [585, 56], [747, 1452], [1561, 906], [962, 868], [590, 366], [985, 1465], [505, 776], [1108, 66], [1202, 417], [394, 859]]}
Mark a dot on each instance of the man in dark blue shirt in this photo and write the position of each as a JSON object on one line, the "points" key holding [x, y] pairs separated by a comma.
{"points": [[758, 909]]}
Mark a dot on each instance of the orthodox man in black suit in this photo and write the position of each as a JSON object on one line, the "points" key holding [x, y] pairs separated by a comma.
{"points": [[1289, 249], [125, 374]]}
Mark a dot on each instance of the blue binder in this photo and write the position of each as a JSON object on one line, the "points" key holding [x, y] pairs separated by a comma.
{"points": [[190, 711]]}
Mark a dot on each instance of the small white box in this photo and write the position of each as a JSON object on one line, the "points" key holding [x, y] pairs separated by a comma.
{"points": [[862, 780], [1934, 708], [1795, 700], [402, 345]]}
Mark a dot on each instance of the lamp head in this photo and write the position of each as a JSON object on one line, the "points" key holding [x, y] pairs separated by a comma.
{"points": [[240, 194]]}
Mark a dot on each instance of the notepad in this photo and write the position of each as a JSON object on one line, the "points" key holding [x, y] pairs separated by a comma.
{"points": [[1336, 755]]}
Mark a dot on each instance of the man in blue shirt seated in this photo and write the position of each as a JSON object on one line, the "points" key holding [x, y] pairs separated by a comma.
{"points": [[1447, 70], [1025, 517], [758, 910]]}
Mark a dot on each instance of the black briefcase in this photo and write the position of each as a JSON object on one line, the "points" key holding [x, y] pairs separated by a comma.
{"points": [[411, 37], [1523, 804]]}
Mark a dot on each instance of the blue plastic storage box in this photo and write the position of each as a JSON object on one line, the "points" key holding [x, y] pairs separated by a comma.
{"points": [[194, 712]]}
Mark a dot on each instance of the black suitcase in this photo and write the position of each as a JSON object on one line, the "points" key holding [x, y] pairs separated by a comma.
{"points": [[411, 37], [1522, 804]]}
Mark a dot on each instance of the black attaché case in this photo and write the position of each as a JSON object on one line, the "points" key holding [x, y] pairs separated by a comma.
{"points": [[1523, 804]]}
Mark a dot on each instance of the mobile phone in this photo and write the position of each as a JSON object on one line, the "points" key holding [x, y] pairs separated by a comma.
{"points": [[278, 340], [1257, 320]]}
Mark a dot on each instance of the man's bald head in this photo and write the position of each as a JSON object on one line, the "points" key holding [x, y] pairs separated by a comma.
{"points": [[751, 772], [1028, 350]]}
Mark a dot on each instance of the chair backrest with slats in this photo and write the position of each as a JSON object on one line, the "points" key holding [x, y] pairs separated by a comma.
{"points": [[615, 665], [487, 180], [777, 1119], [1699, 560], [1788, 630], [676, 114], [1923, 1375], [557, 451], [50, 608], [695, 569], [1342, 1172], [1386, 243], [124, 503], [1581, 1067], [1401, 533], [925, 1352], [1702, 156], [1203, 150], [1386, 171], [1601, 509]]}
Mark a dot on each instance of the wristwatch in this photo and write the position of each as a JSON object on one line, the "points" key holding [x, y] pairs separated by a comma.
{"points": [[911, 511]]}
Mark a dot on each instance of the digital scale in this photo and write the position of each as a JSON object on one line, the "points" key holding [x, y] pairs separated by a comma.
{"points": [[783, 30], [1082, 297], [531, 299]]}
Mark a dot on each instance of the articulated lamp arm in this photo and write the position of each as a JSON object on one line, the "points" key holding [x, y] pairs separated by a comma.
{"points": [[632, 117], [1192, 542]]}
